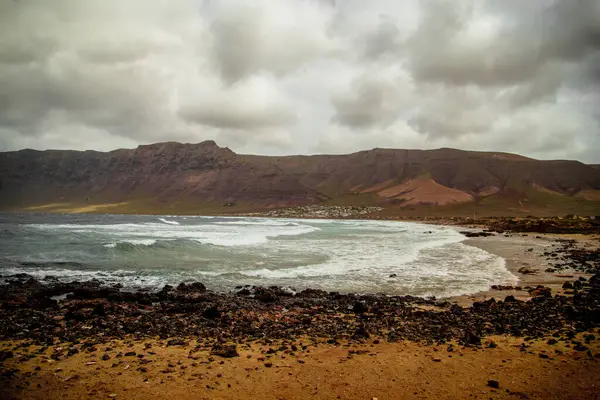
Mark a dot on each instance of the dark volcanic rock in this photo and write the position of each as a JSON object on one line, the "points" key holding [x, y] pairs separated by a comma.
{"points": [[493, 384], [361, 333], [211, 313], [470, 234], [223, 350], [193, 287], [567, 285], [5, 355], [360, 307], [312, 293], [275, 313], [541, 291], [471, 338]]}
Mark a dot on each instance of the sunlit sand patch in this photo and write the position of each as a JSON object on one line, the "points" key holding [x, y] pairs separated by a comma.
{"points": [[75, 209]]}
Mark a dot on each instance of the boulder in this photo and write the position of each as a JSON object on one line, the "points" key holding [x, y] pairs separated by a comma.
{"points": [[193, 287], [224, 350]]}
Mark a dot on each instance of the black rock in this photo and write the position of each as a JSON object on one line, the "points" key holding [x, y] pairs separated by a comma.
{"points": [[510, 299], [41, 302], [361, 333], [166, 289], [99, 309], [312, 293], [211, 313], [471, 338], [5, 355], [360, 307], [567, 285], [226, 351], [579, 347], [493, 384], [265, 295], [193, 287]]}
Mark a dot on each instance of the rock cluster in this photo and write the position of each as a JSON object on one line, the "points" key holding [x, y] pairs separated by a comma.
{"points": [[567, 224], [96, 312], [48, 310], [567, 255], [470, 234]]}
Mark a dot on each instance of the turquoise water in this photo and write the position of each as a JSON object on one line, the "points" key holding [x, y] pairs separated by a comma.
{"points": [[224, 252]]}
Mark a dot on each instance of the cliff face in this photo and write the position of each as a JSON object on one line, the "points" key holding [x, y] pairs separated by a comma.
{"points": [[204, 173]]}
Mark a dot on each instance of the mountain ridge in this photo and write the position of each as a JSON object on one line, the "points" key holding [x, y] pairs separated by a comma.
{"points": [[184, 177]]}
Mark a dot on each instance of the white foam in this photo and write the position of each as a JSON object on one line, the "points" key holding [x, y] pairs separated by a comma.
{"points": [[249, 237], [128, 278], [259, 223], [219, 234], [139, 242], [348, 255], [168, 222]]}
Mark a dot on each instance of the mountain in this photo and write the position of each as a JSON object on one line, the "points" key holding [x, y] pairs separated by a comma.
{"points": [[205, 178]]}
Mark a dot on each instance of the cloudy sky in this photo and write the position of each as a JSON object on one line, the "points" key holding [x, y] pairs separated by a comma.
{"points": [[303, 76]]}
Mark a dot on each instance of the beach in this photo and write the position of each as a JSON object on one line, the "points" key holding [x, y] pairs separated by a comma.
{"points": [[535, 340], [527, 251], [404, 370]]}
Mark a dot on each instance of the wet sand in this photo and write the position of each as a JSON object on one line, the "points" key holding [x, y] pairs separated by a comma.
{"points": [[526, 250]]}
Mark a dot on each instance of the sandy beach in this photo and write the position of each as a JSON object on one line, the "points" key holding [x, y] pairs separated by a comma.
{"points": [[405, 370], [527, 251], [388, 350]]}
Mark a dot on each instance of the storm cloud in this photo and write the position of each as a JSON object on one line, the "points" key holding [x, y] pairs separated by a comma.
{"points": [[303, 76]]}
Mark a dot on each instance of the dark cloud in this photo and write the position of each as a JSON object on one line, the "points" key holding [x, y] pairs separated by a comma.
{"points": [[253, 104], [470, 44], [372, 100], [302, 76], [384, 40]]}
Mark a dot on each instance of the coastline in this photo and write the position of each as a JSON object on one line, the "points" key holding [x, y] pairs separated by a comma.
{"points": [[517, 249], [100, 344], [527, 251]]}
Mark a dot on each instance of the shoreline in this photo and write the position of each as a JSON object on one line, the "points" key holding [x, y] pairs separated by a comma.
{"points": [[517, 249], [519, 252], [190, 343], [527, 251]]}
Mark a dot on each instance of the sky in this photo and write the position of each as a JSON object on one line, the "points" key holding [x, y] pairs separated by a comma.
{"points": [[303, 76]]}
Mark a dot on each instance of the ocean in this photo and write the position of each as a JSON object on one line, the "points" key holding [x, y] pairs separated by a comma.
{"points": [[148, 252]]}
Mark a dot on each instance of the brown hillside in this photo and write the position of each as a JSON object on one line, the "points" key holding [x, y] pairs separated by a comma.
{"points": [[174, 177]]}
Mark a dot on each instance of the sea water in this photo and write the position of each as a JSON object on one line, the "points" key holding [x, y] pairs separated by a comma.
{"points": [[399, 258]]}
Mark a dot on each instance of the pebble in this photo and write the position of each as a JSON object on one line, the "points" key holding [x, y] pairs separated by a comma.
{"points": [[493, 384]]}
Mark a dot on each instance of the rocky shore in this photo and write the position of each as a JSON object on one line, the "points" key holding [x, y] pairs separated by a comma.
{"points": [[48, 310], [47, 326], [37, 312], [568, 224]]}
